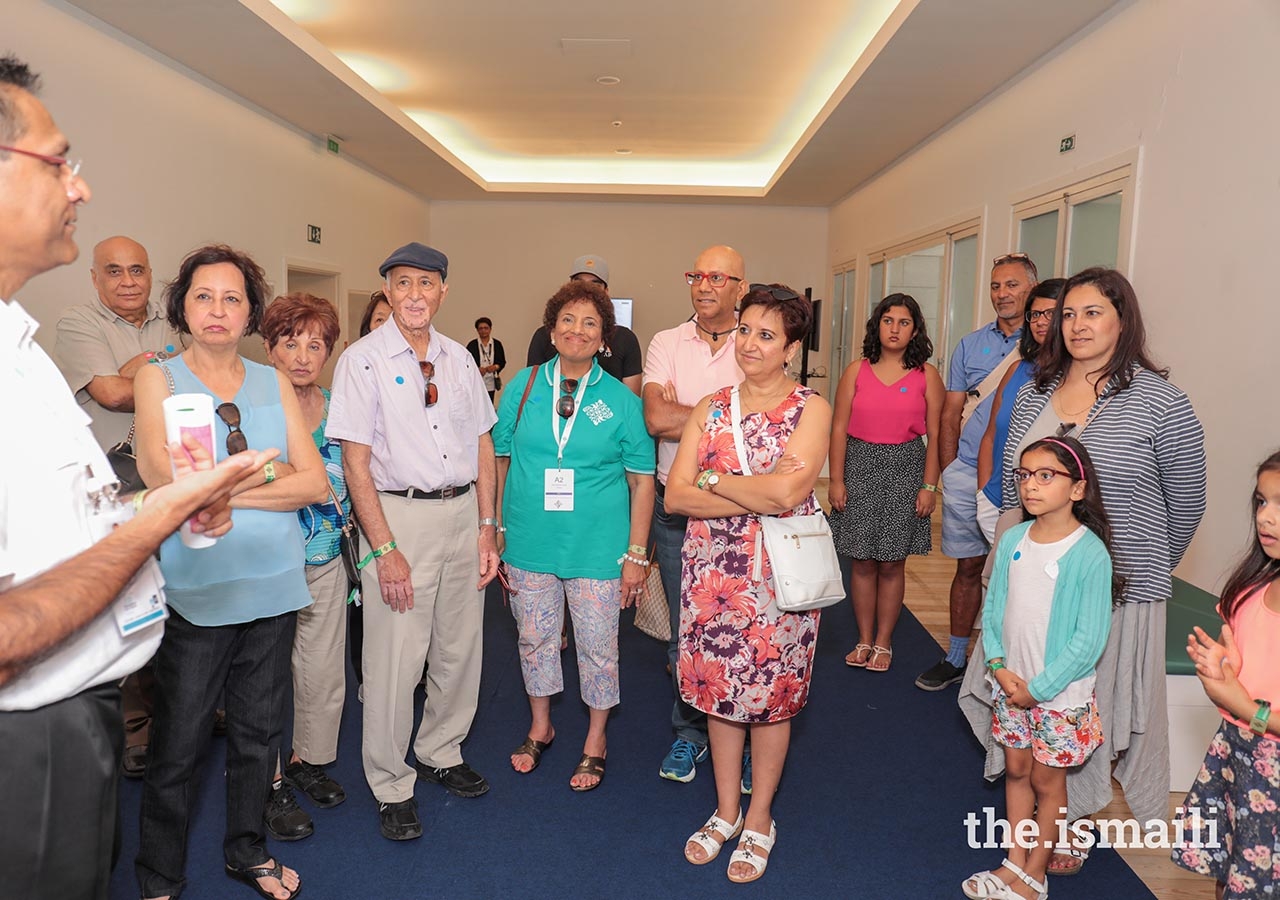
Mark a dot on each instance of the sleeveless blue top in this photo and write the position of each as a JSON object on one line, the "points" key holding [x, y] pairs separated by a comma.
{"points": [[1023, 372], [255, 571]]}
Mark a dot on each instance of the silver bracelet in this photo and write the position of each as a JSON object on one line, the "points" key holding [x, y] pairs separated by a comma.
{"points": [[494, 522]]}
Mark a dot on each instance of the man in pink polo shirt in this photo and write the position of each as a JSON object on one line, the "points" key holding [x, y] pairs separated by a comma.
{"points": [[683, 365]]}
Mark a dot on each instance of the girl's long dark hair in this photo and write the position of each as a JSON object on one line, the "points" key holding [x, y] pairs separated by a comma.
{"points": [[918, 349], [1255, 567], [1088, 510]]}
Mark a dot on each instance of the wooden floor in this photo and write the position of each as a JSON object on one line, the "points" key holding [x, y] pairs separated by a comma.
{"points": [[927, 591]]}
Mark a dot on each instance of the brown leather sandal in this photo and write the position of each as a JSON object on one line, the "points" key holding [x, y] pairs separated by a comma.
{"points": [[589, 765], [532, 749]]}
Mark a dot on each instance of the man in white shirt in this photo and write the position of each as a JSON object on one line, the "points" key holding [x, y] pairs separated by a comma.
{"points": [[69, 550]]}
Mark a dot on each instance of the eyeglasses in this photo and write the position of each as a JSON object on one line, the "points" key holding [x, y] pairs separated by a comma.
{"points": [[1010, 257], [229, 413], [56, 161], [717, 279], [564, 406], [1044, 476], [1046, 314], [776, 293], [432, 391]]}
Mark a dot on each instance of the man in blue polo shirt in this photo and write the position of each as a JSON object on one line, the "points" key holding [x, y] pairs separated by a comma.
{"points": [[979, 362]]}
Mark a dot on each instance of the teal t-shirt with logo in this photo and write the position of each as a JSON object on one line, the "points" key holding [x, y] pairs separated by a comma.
{"points": [[608, 440]]}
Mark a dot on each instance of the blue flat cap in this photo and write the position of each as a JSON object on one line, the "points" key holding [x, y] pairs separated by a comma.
{"points": [[419, 256]]}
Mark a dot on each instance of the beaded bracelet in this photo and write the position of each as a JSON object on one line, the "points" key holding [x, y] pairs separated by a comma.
{"points": [[643, 563]]}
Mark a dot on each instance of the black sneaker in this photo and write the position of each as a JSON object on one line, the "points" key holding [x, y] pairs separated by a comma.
{"points": [[399, 821], [284, 818], [460, 780], [940, 676], [315, 783]]}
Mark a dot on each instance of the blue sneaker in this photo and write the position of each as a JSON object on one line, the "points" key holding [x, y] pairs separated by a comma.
{"points": [[746, 768], [681, 762]]}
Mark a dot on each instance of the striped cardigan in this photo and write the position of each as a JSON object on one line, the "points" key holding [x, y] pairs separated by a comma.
{"points": [[1148, 448]]}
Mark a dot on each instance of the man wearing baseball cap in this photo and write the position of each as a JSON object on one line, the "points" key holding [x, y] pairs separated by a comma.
{"points": [[428, 513], [621, 357]]}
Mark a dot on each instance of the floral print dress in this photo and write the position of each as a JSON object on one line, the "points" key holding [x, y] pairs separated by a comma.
{"points": [[740, 657]]}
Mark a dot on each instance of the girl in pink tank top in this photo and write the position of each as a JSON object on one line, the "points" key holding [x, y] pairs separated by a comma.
{"points": [[884, 474], [1233, 800]]}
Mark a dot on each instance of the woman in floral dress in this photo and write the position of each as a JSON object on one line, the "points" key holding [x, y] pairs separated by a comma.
{"points": [[742, 661]]}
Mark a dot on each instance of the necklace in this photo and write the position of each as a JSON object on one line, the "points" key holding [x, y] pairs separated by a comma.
{"points": [[1070, 415], [715, 335]]}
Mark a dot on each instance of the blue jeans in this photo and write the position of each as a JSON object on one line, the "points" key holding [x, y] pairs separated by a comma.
{"points": [[668, 537], [193, 665]]}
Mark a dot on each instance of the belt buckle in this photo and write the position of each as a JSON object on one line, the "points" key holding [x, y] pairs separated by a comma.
{"points": [[448, 493]]}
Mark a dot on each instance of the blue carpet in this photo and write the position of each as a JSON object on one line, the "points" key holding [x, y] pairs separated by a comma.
{"points": [[879, 780]]}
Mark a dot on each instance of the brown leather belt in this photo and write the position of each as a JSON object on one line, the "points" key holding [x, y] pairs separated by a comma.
{"points": [[442, 494]]}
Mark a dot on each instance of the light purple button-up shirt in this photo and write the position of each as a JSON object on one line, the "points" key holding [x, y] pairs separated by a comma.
{"points": [[379, 400]]}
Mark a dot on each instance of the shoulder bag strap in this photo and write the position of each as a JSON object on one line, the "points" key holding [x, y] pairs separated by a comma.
{"points": [[525, 396]]}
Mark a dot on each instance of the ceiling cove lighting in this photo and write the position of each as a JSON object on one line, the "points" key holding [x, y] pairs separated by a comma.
{"points": [[381, 75]]}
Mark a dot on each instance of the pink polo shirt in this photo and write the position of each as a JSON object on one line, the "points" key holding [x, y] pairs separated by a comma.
{"points": [[678, 355]]}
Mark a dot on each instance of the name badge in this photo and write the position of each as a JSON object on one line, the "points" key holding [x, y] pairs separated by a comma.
{"points": [[557, 494], [141, 603]]}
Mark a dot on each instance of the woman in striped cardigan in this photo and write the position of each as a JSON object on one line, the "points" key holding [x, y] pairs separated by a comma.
{"points": [[1097, 383]]}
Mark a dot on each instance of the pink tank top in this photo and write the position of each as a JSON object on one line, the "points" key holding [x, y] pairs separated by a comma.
{"points": [[1257, 631], [887, 413]]}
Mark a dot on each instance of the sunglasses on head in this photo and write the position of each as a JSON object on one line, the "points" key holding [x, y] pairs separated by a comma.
{"points": [[565, 405], [776, 293], [432, 390], [229, 413]]}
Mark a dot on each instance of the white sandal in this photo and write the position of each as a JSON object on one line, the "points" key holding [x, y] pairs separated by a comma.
{"points": [[702, 837], [749, 852], [988, 885]]}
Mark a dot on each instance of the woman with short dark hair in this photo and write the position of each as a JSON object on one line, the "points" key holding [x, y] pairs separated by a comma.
{"points": [[489, 356], [574, 462], [743, 661], [232, 606]]}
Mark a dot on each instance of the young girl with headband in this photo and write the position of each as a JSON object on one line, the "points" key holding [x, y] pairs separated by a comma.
{"points": [[1044, 627]]}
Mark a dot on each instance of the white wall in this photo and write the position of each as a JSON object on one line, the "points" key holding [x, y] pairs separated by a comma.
{"points": [[175, 163], [506, 258], [1191, 86]]}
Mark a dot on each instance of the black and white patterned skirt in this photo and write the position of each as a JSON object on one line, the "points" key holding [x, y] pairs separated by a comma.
{"points": [[879, 520]]}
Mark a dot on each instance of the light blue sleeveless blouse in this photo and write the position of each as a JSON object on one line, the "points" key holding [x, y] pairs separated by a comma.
{"points": [[255, 571]]}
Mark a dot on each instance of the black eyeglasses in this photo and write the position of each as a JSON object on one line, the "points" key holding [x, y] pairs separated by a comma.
{"points": [[1046, 314], [716, 279], [433, 391], [1044, 476], [229, 413], [564, 406], [776, 293]]}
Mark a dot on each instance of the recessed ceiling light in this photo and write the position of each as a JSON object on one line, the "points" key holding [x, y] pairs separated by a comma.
{"points": [[622, 152], [608, 80], [616, 123]]}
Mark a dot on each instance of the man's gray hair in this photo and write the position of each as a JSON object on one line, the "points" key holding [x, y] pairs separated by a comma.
{"points": [[14, 73]]}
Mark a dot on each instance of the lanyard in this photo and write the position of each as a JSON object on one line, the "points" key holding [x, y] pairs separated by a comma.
{"points": [[563, 439], [486, 354]]}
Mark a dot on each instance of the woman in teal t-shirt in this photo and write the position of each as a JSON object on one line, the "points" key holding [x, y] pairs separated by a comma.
{"points": [[575, 487]]}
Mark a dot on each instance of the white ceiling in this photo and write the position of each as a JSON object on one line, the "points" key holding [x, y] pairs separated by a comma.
{"points": [[793, 104]]}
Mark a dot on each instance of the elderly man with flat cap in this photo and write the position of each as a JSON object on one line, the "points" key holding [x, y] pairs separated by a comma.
{"points": [[411, 410], [620, 357]]}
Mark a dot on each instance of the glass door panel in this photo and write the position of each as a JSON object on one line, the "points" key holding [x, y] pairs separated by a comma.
{"points": [[1094, 239], [1038, 238], [962, 310]]}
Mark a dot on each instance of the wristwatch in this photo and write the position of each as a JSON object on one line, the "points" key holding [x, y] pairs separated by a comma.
{"points": [[712, 480]]}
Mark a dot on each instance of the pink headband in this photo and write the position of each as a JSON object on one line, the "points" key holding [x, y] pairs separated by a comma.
{"points": [[1079, 465]]}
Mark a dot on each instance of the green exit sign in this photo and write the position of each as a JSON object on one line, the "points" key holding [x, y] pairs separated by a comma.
{"points": [[313, 234], [332, 145], [1067, 144]]}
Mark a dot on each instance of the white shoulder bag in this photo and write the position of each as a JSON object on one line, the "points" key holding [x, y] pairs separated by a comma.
{"points": [[802, 552]]}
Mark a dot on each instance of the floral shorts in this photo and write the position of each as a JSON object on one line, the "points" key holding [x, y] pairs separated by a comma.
{"points": [[1057, 738]]}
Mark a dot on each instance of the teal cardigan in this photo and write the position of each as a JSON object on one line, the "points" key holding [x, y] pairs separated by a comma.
{"points": [[1079, 621]]}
